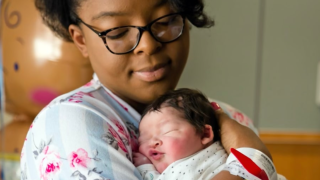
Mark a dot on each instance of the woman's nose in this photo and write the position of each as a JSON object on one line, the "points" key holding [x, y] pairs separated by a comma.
{"points": [[147, 45]]}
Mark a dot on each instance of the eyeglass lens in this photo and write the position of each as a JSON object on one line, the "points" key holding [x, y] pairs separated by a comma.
{"points": [[164, 30]]}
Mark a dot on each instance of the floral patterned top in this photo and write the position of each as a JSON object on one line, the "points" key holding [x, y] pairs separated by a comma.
{"points": [[87, 134]]}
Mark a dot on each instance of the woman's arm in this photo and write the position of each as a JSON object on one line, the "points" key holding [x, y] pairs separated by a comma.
{"points": [[225, 175], [235, 135]]}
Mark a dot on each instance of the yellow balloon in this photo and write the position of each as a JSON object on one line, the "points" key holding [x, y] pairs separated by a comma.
{"points": [[37, 65]]}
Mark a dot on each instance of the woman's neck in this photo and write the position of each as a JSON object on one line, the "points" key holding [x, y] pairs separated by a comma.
{"points": [[139, 107]]}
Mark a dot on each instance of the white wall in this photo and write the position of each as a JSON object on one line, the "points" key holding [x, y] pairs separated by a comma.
{"points": [[260, 57]]}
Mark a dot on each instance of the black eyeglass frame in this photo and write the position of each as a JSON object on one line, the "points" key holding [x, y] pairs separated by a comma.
{"points": [[141, 29]]}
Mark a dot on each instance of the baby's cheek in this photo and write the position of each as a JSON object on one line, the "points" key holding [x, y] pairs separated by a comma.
{"points": [[178, 149], [142, 149]]}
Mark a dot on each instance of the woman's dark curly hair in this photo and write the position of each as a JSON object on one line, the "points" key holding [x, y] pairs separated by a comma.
{"points": [[58, 14], [194, 105]]}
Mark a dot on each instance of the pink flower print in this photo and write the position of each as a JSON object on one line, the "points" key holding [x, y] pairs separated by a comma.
{"points": [[77, 98], [119, 126], [240, 118], [231, 110], [113, 132], [134, 145], [75, 101], [80, 157], [81, 94], [122, 146], [134, 141], [248, 120], [50, 164], [125, 108], [121, 130], [31, 126], [118, 139], [89, 84], [133, 134]]}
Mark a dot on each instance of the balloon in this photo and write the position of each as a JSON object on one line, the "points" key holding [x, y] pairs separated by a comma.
{"points": [[37, 67]]}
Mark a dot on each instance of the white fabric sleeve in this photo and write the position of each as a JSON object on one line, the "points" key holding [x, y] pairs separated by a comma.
{"points": [[236, 114], [73, 141]]}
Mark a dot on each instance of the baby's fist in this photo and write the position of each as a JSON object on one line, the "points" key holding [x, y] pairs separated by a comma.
{"points": [[139, 159]]}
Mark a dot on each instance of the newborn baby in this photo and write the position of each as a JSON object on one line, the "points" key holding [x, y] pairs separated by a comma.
{"points": [[179, 138]]}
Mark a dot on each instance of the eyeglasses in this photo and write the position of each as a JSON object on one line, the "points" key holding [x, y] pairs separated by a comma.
{"points": [[125, 39]]}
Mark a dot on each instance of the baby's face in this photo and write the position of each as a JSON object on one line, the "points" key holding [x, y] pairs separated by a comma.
{"points": [[166, 137]]}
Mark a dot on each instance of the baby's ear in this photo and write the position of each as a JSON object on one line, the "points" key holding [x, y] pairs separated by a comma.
{"points": [[207, 135]]}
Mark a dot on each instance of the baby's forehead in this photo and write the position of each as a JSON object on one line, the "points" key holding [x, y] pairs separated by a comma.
{"points": [[167, 115], [146, 130], [164, 110]]}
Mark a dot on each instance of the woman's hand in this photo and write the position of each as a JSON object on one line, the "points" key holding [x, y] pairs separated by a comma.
{"points": [[235, 135], [225, 175], [140, 159]]}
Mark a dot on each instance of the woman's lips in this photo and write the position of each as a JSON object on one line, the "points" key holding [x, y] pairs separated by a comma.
{"points": [[151, 74]]}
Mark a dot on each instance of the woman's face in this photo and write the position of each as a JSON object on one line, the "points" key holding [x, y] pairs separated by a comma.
{"points": [[139, 76]]}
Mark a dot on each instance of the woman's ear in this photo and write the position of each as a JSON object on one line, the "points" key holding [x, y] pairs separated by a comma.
{"points": [[78, 39], [207, 136]]}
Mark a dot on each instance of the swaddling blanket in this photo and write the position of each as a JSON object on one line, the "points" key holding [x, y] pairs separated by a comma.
{"points": [[202, 165]]}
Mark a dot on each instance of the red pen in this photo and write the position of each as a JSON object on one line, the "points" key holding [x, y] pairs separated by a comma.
{"points": [[249, 165]]}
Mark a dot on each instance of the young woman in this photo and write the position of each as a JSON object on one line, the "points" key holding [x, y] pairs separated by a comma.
{"points": [[138, 50]]}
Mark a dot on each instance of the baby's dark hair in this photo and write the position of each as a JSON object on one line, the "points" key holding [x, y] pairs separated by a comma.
{"points": [[58, 15], [194, 105]]}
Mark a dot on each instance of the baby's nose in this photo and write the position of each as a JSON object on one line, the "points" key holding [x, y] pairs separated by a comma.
{"points": [[157, 142]]}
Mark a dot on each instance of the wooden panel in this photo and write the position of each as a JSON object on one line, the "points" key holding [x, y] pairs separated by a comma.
{"points": [[295, 155]]}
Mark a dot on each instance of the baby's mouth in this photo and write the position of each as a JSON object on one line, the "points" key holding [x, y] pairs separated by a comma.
{"points": [[156, 155]]}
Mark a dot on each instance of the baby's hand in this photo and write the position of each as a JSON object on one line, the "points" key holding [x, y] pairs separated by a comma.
{"points": [[139, 159]]}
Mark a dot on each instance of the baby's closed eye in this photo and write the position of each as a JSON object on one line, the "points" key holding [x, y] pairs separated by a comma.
{"points": [[171, 131]]}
